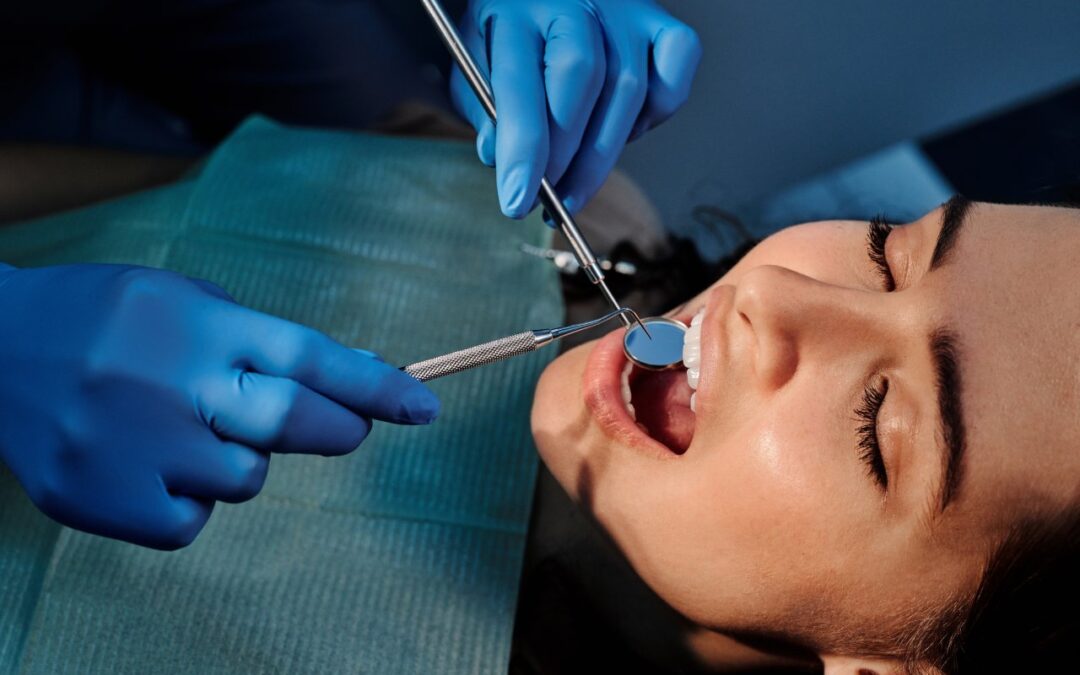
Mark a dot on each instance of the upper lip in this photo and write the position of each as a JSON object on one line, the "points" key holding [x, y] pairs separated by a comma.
{"points": [[715, 344], [603, 397]]}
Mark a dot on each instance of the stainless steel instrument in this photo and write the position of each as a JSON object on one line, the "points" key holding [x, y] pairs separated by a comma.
{"points": [[503, 348], [548, 197]]}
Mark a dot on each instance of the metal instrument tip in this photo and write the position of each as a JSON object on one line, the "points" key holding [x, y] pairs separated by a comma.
{"points": [[623, 311], [638, 321]]}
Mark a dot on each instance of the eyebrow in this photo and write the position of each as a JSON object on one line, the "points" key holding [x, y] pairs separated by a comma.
{"points": [[946, 363], [953, 216], [948, 384]]}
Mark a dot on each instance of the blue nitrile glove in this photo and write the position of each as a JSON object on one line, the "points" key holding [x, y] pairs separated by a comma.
{"points": [[574, 81], [133, 399]]}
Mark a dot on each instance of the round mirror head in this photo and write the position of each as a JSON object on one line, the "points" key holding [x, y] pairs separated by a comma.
{"points": [[663, 350]]}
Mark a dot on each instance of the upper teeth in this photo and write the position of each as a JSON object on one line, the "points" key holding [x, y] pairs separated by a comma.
{"points": [[692, 356]]}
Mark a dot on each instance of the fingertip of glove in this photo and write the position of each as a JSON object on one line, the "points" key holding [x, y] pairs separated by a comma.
{"points": [[514, 191], [485, 144], [640, 128], [420, 405]]}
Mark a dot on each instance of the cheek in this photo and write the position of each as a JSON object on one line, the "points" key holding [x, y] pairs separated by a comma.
{"points": [[747, 526], [774, 457], [771, 481]]}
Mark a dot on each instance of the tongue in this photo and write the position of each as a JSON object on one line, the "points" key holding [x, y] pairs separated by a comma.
{"points": [[662, 403]]}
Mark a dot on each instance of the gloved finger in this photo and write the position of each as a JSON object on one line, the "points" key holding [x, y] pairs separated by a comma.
{"points": [[175, 523], [152, 515], [574, 75], [464, 98], [278, 414], [485, 143], [218, 470], [365, 385], [676, 54], [624, 94], [521, 143], [213, 289]]}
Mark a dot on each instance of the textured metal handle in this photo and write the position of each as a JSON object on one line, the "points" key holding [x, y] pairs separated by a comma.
{"points": [[480, 355]]}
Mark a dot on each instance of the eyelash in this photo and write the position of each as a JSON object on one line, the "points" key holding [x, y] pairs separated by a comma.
{"points": [[869, 448], [876, 236], [873, 398]]}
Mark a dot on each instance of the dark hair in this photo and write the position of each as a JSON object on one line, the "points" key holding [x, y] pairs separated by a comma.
{"points": [[1025, 614]]}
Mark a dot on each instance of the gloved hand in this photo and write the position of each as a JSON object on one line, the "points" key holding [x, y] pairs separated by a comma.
{"points": [[574, 81], [132, 399]]}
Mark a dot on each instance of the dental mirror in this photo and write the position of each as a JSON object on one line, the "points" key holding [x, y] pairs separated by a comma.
{"points": [[663, 350]]}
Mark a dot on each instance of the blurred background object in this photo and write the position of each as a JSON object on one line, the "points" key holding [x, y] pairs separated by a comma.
{"points": [[788, 89]]}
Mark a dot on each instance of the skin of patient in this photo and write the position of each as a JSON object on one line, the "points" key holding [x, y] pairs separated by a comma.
{"points": [[772, 522]]}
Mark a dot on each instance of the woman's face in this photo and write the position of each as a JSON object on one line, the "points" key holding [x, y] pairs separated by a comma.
{"points": [[864, 429]]}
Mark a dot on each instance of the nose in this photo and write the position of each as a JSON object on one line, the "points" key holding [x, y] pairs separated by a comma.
{"points": [[795, 319]]}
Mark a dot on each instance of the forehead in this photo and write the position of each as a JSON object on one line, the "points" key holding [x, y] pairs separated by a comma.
{"points": [[1011, 290]]}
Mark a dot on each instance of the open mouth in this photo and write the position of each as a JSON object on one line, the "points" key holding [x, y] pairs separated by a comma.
{"points": [[641, 407], [663, 403], [659, 403]]}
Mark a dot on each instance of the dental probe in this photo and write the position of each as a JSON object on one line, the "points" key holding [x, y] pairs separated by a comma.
{"points": [[503, 348], [548, 196]]}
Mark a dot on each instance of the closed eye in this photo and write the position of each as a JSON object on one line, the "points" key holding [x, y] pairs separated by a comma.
{"points": [[876, 236], [869, 445]]}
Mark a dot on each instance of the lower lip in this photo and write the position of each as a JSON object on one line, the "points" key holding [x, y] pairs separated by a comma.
{"points": [[603, 396]]}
